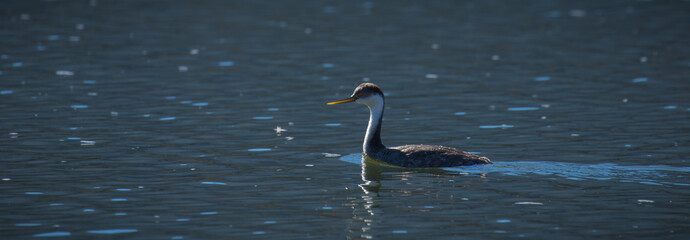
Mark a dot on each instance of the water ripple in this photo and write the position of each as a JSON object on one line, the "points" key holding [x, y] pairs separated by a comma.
{"points": [[649, 174]]}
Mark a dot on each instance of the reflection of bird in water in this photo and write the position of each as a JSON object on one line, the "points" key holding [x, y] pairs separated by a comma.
{"points": [[407, 155]]}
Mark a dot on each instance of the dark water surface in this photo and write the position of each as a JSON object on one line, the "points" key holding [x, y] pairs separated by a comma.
{"points": [[166, 119]]}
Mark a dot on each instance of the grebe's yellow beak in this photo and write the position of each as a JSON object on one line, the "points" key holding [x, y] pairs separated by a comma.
{"points": [[350, 99]]}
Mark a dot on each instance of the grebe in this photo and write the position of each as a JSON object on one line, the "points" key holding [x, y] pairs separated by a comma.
{"points": [[411, 156]]}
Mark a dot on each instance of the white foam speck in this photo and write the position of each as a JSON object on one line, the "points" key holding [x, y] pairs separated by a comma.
{"points": [[64, 73]]}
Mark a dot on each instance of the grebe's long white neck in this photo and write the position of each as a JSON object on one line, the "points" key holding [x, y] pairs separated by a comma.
{"points": [[372, 139]]}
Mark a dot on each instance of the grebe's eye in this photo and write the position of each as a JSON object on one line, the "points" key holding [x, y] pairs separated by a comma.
{"points": [[359, 94]]}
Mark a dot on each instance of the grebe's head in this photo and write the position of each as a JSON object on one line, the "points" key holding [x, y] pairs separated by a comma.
{"points": [[366, 93]]}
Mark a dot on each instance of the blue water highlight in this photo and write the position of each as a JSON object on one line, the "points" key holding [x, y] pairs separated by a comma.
{"points": [[53, 234]]}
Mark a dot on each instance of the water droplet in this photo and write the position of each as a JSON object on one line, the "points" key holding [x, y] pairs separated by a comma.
{"points": [[331, 155], [64, 73], [259, 149], [53, 234], [214, 183], [167, 118], [529, 203], [496, 126], [523, 108], [225, 64], [27, 224], [542, 78], [640, 79]]}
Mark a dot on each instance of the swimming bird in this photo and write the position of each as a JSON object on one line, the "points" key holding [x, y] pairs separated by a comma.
{"points": [[411, 156]]}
